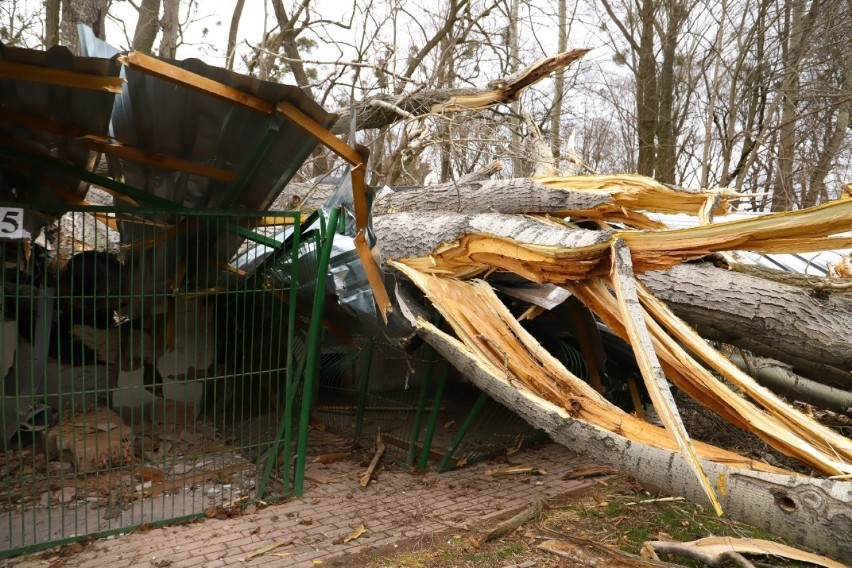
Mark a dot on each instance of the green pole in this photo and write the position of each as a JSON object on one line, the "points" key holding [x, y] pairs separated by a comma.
{"points": [[285, 426], [468, 422], [421, 409], [362, 390], [312, 353], [433, 417]]}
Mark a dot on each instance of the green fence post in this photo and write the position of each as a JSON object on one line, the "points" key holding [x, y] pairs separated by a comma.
{"points": [[418, 416], [362, 390], [433, 417], [312, 353], [468, 422], [285, 426]]}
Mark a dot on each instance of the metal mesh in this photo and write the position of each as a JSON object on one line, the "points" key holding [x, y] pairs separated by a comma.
{"points": [[144, 378]]}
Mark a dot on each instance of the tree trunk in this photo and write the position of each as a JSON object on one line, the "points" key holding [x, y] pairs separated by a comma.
{"points": [[51, 23], [559, 86], [378, 112], [89, 12], [170, 25], [812, 512], [147, 26], [232, 33], [666, 157], [787, 323], [647, 102], [782, 322]]}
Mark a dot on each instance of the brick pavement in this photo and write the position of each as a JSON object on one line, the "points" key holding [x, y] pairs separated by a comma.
{"points": [[400, 505]]}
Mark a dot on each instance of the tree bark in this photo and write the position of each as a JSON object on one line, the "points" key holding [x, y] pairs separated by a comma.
{"points": [[90, 12], [170, 25], [781, 379], [147, 26], [812, 512], [51, 23], [232, 33], [559, 86]]}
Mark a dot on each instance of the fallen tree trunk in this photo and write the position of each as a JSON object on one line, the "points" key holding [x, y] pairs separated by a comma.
{"points": [[812, 512], [790, 324], [781, 379], [606, 198], [807, 331]]}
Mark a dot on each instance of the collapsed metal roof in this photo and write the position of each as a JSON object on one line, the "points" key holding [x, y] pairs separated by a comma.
{"points": [[174, 147], [42, 116]]}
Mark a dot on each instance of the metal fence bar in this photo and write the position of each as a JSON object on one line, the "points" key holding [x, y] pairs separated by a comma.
{"points": [[433, 416], [312, 353], [363, 383], [421, 408], [468, 422]]}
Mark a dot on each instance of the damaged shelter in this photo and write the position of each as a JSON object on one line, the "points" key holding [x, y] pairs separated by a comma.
{"points": [[158, 313], [172, 323]]}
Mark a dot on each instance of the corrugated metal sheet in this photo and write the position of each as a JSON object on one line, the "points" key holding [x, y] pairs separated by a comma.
{"points": [[811, 263], [85, 109], [160, 117]]}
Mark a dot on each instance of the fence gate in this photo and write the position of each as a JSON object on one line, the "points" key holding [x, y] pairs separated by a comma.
{"points": [[151, 365]]}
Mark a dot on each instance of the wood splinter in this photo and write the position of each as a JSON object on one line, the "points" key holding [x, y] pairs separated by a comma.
{"points": [[367, 476]]}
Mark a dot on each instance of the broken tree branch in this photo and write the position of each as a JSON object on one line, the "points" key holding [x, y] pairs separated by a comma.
{"points": [[584, 553], [633, 318], [528, 514], [441, 101], [809, 330], [813, 512], [718, 550], [367, 476]]}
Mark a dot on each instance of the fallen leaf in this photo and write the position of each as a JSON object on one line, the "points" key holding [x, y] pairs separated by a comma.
{"points": [[356, 533]]}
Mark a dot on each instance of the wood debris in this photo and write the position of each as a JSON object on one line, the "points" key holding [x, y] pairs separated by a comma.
{"points": [[515, 470], [367, 476], [720, 550], [592, 471], [96, 440], [267, 549], [585, 553], [331, 458], [528, 514]]}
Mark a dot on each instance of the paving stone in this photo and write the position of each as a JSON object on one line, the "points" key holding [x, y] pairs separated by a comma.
{"points": [[399, 506]]}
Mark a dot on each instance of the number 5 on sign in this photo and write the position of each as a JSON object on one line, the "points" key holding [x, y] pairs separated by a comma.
{"points": [[11, 223]]}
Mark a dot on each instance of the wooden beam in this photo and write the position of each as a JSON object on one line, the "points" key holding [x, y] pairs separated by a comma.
{"points": [[173, 74], [194, 81], [69, 196], [159, 160], [315, 129], [97, 143], [60, 77]]}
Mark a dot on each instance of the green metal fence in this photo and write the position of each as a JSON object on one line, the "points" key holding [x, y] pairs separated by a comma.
{"points": [[156, 365]]}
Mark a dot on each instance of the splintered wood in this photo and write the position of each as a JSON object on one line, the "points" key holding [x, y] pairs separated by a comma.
{"points": [[508, 352], [598, 268]]}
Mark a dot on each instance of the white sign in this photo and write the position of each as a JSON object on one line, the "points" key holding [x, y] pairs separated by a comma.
{"points": [[11, 223]]}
